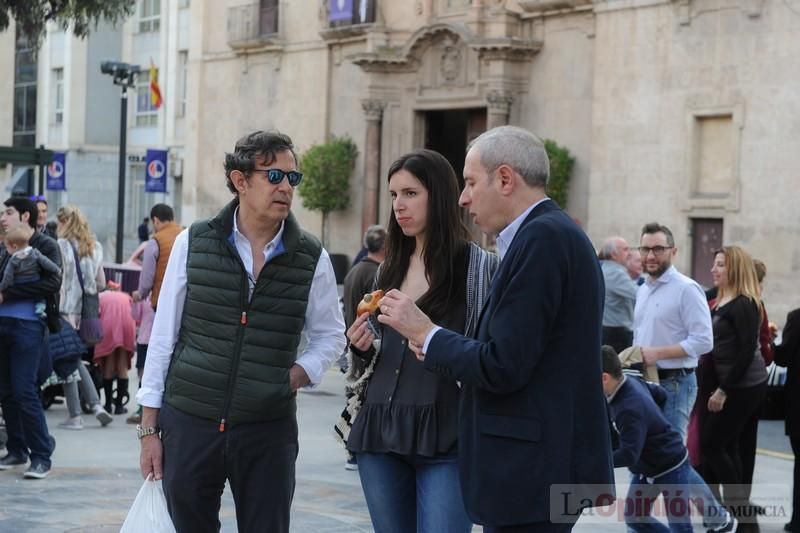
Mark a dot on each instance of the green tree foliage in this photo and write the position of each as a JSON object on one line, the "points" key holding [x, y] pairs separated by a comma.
{"points": [[32, 16], [326, 171], [561, 163]]}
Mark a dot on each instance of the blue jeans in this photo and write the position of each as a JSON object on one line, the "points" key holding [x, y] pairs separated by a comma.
{"points": [[20, 347], [411, 493], [643, 493], [681, 395]]}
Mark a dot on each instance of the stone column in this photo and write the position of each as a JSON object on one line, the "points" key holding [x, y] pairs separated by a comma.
{"points": [[373, 109], [499, 106]]}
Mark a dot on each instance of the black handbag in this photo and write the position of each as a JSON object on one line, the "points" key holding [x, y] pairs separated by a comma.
{"points": [[91, 329]]}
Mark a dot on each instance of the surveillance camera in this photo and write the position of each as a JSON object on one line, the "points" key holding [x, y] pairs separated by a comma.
{"points": [[115, 68]]}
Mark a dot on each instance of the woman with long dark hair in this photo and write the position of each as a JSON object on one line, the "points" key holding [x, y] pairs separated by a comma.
{"points": [[405, 435]]}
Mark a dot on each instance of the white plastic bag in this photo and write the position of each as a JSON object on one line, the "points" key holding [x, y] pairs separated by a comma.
{"points": [[148, 514]]}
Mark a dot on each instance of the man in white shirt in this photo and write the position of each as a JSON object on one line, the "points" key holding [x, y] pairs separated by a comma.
{"points": [[672, 324], [222, 369]]}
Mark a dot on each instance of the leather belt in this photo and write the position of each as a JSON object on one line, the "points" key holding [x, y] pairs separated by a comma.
{"points": [[669, 373]]}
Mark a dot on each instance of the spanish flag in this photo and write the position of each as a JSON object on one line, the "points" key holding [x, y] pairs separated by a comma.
{"points": [[155, 90]]}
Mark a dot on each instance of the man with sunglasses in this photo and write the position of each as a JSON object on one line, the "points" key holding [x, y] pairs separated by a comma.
{"points": [[672, 325], [223, 368]]}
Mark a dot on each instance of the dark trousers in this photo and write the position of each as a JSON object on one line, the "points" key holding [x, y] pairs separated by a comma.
{"points": [[21, 342], [618, 337], [719, 439], [748, 441], [257, 460], [794, 439]]}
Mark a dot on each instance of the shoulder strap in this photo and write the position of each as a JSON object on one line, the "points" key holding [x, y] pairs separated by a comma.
{"points": [[77, 265]]}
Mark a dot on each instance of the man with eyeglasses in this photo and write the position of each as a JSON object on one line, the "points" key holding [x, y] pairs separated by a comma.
{"points": [[672, 325], [223, 368]]}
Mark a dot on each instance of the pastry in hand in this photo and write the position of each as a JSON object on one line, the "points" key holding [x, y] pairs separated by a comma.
{"points": [[370, 303]]}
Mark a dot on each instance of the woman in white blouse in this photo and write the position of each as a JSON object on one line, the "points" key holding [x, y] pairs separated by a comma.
{"points": [[75, 239]]}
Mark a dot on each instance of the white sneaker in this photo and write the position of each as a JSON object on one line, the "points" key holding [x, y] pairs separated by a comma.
{"points": [[74, 423], [102, 415]]}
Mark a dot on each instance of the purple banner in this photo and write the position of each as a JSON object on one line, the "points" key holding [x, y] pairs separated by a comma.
{"points": [[340, 10]]}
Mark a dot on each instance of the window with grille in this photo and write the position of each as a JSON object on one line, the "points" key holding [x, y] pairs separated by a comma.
{"points": [[149, 15], [146, 113], [268, 17], [183, 72], [58, 95]]}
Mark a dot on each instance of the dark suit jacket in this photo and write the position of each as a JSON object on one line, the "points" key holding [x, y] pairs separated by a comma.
{"points": [[533, 413], [788, 354]]}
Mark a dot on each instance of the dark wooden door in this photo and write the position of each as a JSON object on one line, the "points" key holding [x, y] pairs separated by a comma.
{"points": [[706, 238]]}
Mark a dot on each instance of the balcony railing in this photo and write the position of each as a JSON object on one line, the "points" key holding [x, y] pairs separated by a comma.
{"points": [[349, 17], [252, 25]]}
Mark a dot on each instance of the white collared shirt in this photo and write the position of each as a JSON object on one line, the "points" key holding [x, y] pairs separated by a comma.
{"points": [[323, 330], [672, 309]]}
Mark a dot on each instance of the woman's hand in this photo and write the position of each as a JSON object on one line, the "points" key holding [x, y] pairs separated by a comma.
{"points": [[360, 335], [717, 401]]}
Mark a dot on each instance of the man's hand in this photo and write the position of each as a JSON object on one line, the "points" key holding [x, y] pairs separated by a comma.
{"points": [[150, 457], [399, 312], [298, 377], [649, 355], [717, 401], [1, 297], [137, 296]]}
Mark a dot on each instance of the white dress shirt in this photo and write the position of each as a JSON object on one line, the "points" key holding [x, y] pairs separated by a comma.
{"points": [[504, 240], [672, 309], [323, 331]]}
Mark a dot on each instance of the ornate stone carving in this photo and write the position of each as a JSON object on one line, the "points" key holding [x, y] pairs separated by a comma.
{"points": [[373, 109], [499, 102], [451, 60]]}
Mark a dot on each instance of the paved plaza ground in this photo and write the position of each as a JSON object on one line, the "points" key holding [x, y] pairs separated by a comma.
{"points": [[95, 477]]}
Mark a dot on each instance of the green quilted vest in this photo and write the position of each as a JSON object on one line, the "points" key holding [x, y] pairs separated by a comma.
{"points": [[231, 362]]}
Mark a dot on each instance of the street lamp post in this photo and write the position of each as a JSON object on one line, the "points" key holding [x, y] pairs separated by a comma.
{"points": [[125, 76]]}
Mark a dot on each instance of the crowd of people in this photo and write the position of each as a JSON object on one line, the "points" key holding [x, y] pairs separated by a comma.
{"points": [[483, 381], [62, 322]]}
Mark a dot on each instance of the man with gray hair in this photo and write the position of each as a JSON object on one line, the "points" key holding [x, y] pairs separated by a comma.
{"points": [[533, 428], [620, 294]]}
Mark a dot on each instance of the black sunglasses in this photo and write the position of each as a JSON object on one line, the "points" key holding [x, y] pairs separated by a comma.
{"points": [[275, 175]]}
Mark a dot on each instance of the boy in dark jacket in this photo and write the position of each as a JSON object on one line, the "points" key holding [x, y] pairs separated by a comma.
{"points": [[651, 449]]}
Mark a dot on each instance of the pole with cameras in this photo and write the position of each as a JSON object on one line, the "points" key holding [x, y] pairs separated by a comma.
{"points": [[125, 76]]}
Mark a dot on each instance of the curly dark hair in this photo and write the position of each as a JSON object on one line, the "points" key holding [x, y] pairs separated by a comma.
{"points": [[266, 144]]}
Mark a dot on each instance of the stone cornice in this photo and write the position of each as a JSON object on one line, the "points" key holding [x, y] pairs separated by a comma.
{"points": [[540, 6], [349, 32], [407, 58], [508, 49]]}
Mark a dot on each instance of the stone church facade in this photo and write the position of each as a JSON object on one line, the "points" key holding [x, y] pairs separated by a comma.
{"points": [[686, 112]]}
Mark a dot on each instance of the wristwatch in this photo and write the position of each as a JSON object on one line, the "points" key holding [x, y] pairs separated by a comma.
{"points": [[144, 432]]}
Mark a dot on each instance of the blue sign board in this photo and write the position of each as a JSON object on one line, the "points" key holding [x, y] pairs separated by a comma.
{"points": [[155, 174], [340, 10], [57, 172]]}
